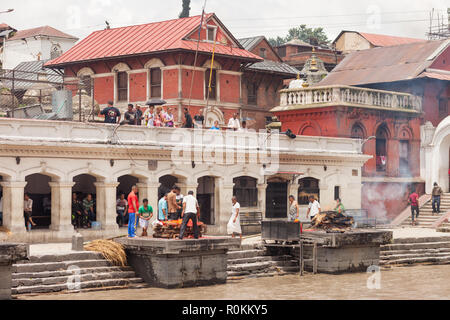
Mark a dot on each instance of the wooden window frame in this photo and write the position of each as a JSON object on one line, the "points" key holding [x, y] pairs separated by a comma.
{"points": [[122, 91], [155, 85], [213, 93]]}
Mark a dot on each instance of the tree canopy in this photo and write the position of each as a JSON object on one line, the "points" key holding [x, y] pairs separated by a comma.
{"points": [[313, 36], [186, 9]]}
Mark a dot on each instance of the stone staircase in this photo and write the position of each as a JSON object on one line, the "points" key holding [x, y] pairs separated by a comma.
{"points": [[426, 217], [255, 262], [71, 272], [445, 227], [416, 251]]}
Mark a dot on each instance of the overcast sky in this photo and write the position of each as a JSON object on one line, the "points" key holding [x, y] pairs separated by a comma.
{"points": [[244, 18]]}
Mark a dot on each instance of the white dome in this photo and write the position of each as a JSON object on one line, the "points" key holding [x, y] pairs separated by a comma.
{"points": [[296, 84]]}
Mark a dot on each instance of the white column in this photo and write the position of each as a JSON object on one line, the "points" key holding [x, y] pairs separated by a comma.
{"points": [[13, 193], [106, 204], [149, 191], [61, 206], [262, 190], [224, 210]]}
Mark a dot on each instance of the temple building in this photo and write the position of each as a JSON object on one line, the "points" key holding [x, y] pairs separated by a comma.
{"points": [[395, 99], [51, 160]]}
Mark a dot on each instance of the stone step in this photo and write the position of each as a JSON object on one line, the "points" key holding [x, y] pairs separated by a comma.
{"points": [[83, 285], [251, 267], [58, 266], [27, 282], [415, 246], [85, 255], [258, 259], [435, 260], [444, 229], [49, 274], [422, 240], [386, 254], [415, 255], [245, 254]]}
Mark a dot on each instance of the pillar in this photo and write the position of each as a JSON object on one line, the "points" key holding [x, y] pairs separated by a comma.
{"points": [[262, 191], [106, 204], [223, 213], [61, 206], [392, 164], [13, 193], [149, 191]]}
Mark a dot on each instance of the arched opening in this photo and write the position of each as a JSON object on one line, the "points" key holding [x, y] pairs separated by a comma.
{"points": [[86, 195], [308, 187], [357, 132], [39, 191], [381, 148], [443, 173], [246, 192], [309, 131], [404, 150], [125, 184], [276, 198], [206, 196], [167, 182]]}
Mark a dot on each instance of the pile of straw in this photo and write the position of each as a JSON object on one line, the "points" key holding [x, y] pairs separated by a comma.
{"points": [[111, 251]]}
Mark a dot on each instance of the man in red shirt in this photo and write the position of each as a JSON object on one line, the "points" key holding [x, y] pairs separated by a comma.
{"points": [[414, 201], [133, 212]]}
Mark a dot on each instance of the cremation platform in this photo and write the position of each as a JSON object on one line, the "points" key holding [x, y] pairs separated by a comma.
{"points": [[352, 251], [174, 264], [9, 254]]}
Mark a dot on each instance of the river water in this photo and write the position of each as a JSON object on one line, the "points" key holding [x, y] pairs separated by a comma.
{"points": [[404, 283]]}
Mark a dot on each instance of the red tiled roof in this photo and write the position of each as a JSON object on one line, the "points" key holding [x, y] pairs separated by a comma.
{"points": [[41, 31], [4, 26], [146, 38], [380, 40]]}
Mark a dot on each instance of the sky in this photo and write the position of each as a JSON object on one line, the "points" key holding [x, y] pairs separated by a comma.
{"points": [[244, 18]]}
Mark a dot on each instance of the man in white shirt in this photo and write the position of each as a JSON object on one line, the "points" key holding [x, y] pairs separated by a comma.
{"points": [[191, 211], [313, 208], [234, 123]]}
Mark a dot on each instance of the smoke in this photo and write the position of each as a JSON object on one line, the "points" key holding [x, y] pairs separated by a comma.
{"points": [[378, 195]]}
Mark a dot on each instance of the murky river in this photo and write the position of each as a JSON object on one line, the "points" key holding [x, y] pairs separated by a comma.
{"points": [[418, 282]]}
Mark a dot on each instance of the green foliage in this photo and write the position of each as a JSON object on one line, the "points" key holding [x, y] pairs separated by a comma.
{"points": [[186, 9], [312, 36]]}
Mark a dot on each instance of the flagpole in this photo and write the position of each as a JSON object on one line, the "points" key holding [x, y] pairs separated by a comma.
{"points": [[196, 54], [211, 70]]}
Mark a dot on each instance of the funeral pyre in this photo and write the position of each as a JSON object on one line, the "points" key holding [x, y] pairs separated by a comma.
{"points": [[171, 229], [332, 222]]}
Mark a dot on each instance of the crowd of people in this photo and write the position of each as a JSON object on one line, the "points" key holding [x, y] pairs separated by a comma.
{"points": [[159, 116]]}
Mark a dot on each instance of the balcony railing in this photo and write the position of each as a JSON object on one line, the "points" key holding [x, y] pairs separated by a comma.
{"points": [[292, 99]]}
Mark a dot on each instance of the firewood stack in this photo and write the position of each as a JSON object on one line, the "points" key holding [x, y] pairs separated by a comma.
{"points": [[171, 230], [332, 221]]}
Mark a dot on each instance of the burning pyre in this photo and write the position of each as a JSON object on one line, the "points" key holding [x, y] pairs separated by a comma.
{"points": [[171, 229], [332, 221]]}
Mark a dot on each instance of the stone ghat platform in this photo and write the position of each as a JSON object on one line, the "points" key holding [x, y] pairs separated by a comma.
{"points": [[352, 251], [175, 264], [9, 254]]}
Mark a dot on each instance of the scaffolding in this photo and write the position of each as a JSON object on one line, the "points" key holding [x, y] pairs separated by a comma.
{"points": [[439, 26]]}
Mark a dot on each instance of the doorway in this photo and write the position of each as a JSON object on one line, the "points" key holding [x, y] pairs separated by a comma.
{"points": [[276, 200]]}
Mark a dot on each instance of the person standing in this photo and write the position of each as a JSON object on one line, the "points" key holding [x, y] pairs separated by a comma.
{"points": [[199, 120], [294, 209], [437, 194], [130, 116], [244, 127], [133, 212], [162, 209], [234, 225], [340, 209], [139, 115], [145, 214], [413, 200], [111, 114], [180, 198], [234, 123], [88, 206], [313, 208], [149, 117], [172, 204], [28, 212], [187, 119], [216, 126], [121, 207], [77, 212], [191, 211]]}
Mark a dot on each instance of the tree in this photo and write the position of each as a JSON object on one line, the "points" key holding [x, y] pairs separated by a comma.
{"points": [[186, 9], [312, 36]]}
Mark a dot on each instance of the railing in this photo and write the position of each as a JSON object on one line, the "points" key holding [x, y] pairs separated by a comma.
{"points": [[346, 95]]}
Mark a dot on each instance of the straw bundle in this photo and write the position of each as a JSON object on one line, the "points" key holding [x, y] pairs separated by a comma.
{"points": [[111, 251], [5, 230]]}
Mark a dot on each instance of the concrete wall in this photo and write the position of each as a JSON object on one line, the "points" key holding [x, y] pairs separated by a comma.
{"points": [[352, 41]]}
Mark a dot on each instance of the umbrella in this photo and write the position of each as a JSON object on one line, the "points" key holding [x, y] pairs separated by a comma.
{"points": [[155, 102]]}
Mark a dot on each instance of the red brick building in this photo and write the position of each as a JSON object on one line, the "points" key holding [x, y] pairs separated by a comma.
{"points": [[383, 95], [156, 60]]}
